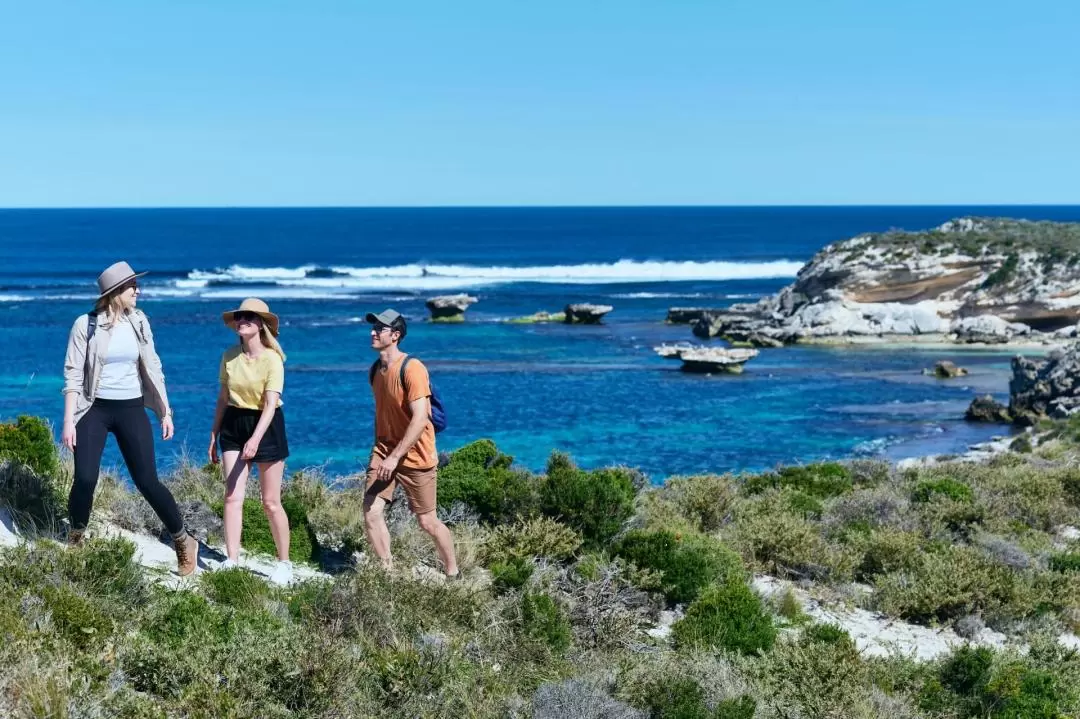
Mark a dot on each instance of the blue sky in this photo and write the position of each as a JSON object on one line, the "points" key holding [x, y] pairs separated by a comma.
{"points": [[230, 102]]}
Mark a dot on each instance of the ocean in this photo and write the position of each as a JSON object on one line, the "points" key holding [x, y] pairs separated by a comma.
{"points": [[596, 392]]}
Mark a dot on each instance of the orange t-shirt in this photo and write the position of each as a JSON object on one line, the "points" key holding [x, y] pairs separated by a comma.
{"points": [[392, 413]]}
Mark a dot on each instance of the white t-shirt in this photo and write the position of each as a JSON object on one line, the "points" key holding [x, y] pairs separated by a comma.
{"points": [[120, 373]]}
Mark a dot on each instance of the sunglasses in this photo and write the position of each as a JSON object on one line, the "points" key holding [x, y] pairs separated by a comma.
{"points": [[133, 285], [244, 317], [379, 329]]}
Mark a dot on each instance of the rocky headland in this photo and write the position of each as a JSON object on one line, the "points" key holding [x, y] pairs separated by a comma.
{"points": [[969, 281]]}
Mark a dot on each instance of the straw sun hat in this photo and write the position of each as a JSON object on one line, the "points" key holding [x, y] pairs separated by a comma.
{"points": [[257, 306]]}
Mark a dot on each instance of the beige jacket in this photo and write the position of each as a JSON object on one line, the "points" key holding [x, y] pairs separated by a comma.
{"points": [[82, 369]]}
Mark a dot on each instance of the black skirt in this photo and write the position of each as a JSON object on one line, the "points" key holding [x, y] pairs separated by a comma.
{"points": [[238, 425]]}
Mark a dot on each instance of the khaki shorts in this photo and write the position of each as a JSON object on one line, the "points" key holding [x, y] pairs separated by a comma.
{"points": [[419, 486]]}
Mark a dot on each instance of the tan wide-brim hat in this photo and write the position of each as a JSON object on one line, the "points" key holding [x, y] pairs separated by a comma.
{"points": [[254, 304], [115, 275]]}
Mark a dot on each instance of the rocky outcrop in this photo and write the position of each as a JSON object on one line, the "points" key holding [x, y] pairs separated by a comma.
{"points": [[707, 360], [967, 281], [538, 317], [585, 314], [987, 409], [944, 369], [686, 315], [449, 308], [1045, 388]]}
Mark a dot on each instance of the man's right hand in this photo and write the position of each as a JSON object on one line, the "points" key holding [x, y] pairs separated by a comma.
{"points": [[213, 451]]}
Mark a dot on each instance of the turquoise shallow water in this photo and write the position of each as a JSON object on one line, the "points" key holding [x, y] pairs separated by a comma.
{"points": [[599, 393]]}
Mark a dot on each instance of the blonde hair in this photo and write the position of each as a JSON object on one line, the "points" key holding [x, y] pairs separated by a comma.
{"points": [[270, 341], [111, 305]]}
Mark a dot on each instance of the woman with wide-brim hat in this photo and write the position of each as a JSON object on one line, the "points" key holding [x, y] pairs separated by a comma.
{"points": [[249, 426], [111, 373]]}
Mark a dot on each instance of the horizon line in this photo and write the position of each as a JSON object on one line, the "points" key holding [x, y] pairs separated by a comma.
{"points": [[69, 208]]}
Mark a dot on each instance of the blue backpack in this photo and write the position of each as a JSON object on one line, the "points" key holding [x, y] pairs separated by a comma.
{"points": [[438, 411]]}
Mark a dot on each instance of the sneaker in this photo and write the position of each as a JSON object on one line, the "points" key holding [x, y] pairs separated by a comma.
{"points": [[76, 537], [187, 554], [282, 574], [455, 577]]}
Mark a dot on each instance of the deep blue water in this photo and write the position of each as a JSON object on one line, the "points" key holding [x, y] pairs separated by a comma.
{"points": [[599, 393]]}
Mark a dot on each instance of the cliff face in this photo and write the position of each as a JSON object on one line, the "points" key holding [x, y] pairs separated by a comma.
{"points": [[967, 280]]}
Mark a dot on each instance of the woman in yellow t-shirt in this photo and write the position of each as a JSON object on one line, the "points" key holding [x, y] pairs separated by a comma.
{"points": [[249, 425]]}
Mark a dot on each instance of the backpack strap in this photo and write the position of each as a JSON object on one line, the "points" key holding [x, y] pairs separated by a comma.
{"points": [[372, 371], [91, 327], [402, 376]]}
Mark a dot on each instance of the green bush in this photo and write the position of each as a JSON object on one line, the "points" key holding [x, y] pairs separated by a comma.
{"points": [[537, 537], [544, 622], [823, 480], [258, 539], [830, 634], [888, 550], [29, 441], [236, 587], [1065, 562], [743, 707], [1021, 444], [687, 563], [78, 618], [706, 500], [727, 616], [933, 489], [677, 698], [182, 616], [481, 478], [28, 474], [594, 503], [971, 683], [511, 574], [955, 581], [781, 542]]}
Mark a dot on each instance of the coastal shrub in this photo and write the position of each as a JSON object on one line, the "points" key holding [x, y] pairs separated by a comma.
{"points": [[36, 500], [578, 699], [888, 550], [801, 677], [684, 698], [1004, 273], [181, 617], [512, 573], [544, 622], [706, 500], [955, 581], [933, 489], [823, 480], [236, 587], [78, 618], [29, 441], [830, 634], [687, 563], [1065, 562], [481, 478], [535, 537], [595, 503], [727, 616], [868, 509], [767, 534], [1021, 445]]}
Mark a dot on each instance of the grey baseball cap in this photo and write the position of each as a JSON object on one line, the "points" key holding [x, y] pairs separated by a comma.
{"points": [[386, 317]]}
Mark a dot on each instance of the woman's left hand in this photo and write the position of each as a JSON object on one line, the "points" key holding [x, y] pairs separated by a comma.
{"points": [[167, 428], [251, 448]]}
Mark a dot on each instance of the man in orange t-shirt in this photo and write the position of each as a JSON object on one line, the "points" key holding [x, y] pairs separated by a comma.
{"points": [[404, 450]]}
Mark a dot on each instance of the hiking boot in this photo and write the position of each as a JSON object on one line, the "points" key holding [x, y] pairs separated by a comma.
{"points": [[187, 554], [75, 537]]}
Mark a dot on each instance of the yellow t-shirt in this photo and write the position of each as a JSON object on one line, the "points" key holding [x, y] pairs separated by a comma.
{"points": [[248, 379]]}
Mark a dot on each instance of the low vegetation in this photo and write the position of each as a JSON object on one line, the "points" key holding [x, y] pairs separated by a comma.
{"points": [[564, 573]]}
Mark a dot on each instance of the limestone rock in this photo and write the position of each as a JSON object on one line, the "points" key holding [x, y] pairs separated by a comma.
{"points": [[686, 315], [987, 409], [585, 314], [449, 307], [1045, 388], [944, 369], [696, 358]]}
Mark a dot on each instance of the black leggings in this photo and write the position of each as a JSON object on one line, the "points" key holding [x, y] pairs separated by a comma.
{"points": [[127, 420]]}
